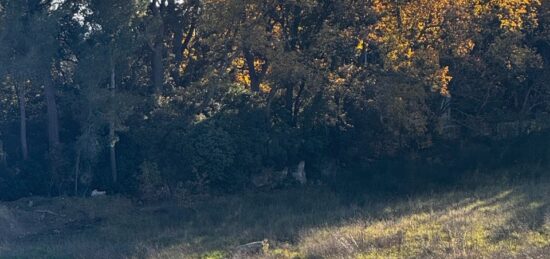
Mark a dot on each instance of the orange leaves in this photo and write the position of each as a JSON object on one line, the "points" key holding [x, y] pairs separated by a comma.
{"points": [[242, 74], [441, 80], [336, 80], [515, 15], [403, 28], [463, 48], [265, 88], [411, 36], [277, 31], [361, 45]]}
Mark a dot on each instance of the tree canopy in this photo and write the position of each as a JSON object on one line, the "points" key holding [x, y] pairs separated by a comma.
{"points": [[206, 94]]}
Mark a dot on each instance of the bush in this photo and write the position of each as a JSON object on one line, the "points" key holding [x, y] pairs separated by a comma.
{"points": [[212, 153], [22, 180], [151, 184]]}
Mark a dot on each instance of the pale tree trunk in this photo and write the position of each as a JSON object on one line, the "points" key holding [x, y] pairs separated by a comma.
{"points": [[53, 118], [112, 125], [23, 122], [53, 128], [289, 98]]}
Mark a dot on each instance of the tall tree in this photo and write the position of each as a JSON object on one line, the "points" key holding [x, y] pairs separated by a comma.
{"points": [[29, 63], [110, 40]]}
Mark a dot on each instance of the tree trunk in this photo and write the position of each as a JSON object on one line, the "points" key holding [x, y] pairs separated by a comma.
{"points": [[296, 107], [77, 172], [53, 118], [3, 162], [289, 98], [23, 122], [269, 100], [112, 135], [157, 46], [158, 69], [180, 44], [53, 129], [254, 78]]}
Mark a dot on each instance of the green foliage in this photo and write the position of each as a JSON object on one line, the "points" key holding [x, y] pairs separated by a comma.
{"points": [[212, 153], [212, 93], [151, 184]]}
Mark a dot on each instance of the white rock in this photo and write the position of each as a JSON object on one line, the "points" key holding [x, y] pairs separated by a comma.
{"points": [[96, 193], [300, 173]]}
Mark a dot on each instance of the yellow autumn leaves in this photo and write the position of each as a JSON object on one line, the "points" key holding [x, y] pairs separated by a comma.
{"points": [[242, 74], [416, 32], [412, 36], [441, 79], [515, 15]]}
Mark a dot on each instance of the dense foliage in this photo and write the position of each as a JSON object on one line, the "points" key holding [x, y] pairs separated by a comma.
{"points": [[153, 96]]}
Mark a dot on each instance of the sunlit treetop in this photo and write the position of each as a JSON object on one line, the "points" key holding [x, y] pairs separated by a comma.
{"points": [[414, 34]]}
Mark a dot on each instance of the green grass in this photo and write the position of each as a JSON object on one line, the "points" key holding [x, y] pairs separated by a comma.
{"points": [[493, 220]]}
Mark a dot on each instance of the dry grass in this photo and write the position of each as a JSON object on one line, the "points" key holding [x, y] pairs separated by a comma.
{"points": [[497, 221], [492, 222]]}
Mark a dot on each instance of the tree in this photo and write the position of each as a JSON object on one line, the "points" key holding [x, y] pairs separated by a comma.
{"points": [[110, 39], [29, 63], [170, 26]]}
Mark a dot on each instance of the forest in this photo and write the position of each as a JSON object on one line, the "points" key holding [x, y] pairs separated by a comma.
{"points": [[177, 100], [297, 128], [207, 94]]}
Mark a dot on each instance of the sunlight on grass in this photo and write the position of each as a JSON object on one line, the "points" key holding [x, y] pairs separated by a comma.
{"points": [[498, 221], [501, 223], [495, 222]]}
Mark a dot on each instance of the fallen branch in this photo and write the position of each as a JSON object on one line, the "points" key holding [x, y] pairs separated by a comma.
{"points": [[252, 248], [48, 212], [251, 245]]}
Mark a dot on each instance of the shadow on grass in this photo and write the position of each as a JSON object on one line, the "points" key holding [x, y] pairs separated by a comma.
{"points": [[311, 222]]}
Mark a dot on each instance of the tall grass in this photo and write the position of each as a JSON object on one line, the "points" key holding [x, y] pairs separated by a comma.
{"points": [[493, 220]]}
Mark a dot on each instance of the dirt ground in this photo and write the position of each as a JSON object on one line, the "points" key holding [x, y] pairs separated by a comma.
{"points": [[32, 219]]}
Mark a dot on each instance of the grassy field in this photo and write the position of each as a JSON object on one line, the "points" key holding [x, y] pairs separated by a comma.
{"points": [[498, 219]]}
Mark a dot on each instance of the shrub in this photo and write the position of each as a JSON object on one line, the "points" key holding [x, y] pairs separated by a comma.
{"points": [[151, 184], [212, 152]]}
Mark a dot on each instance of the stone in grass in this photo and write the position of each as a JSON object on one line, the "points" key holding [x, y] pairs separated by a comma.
{"points": [[98, 193]]}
